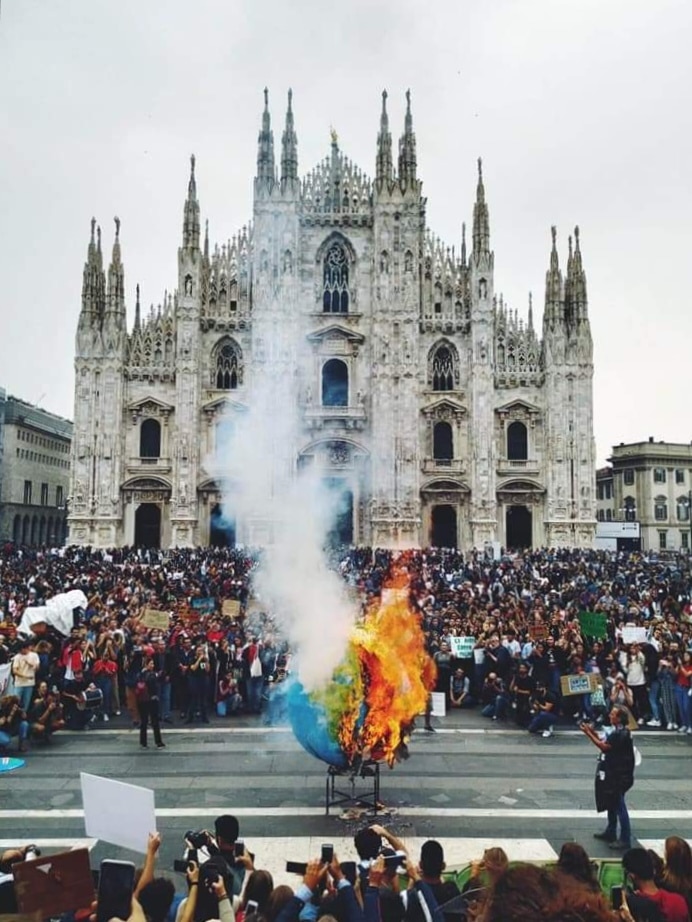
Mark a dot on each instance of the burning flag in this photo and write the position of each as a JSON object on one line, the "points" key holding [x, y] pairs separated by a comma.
{"points": [[383, 682]]}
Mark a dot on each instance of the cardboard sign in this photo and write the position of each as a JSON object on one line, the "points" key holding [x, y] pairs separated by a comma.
{"points": [[539, 631], [54, 884], [634, 635], [581, 684], [156, 620], [462, 647], [203, 605], [230, 608], [119, 813], [593, 624]]}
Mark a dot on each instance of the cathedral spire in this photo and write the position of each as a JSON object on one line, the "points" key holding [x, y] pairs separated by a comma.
{"points": [[93, 278], [191, 212], [553, 283], [407, 149], [384, 167], [530, 323], [265, 147], [481, 220], [463, 245], [575, 284], [116, 280], [138, 311], [289, 148], [206, 239]]}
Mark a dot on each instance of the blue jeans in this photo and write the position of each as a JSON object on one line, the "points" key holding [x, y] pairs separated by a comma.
{"points": [[654, 692], [25, 694], [619, 812], [683, 701], [23, 734], [255, 687], [165, 700], [544, 720], [105, 683]]}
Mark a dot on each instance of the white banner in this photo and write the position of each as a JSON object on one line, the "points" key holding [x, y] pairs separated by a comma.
{"points": [[121, 814]]}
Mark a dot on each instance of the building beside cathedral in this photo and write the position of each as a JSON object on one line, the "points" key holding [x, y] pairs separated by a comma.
{"points": [[438, 415]]}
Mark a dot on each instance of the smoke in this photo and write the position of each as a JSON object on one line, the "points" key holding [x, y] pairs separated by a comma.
{"points": [[290, 515]]}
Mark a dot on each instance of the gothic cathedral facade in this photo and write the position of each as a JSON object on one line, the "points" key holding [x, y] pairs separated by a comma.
{"points": [[440, 416]]}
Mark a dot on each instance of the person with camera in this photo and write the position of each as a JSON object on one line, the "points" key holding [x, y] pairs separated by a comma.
{"points": [[208, 893], [13, 722], [46, 715], [614, 776]]}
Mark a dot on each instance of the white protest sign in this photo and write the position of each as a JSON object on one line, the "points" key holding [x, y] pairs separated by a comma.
{"points": [[4, 678], [121, 814], [634, 635], [462, 647]]}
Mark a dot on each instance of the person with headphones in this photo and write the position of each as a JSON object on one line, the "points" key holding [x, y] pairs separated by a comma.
{"points": [[614, 776]]}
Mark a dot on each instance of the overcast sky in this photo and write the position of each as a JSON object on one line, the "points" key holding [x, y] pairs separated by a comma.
{"points": [[579, 108]]}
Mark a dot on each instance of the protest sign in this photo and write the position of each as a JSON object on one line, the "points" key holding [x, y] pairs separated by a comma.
{"points": [[121, 814], [462, 647], [634, 635], [582, 684], [4, 678], [593, 624], [539, 630], [204, 606], [230, 608], [54, 884], [156, 620]]}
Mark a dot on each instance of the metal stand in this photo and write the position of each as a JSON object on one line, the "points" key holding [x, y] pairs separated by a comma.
{"points": [[370, 798]]}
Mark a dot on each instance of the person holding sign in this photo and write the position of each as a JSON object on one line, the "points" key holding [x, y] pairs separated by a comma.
{"points": [[614, 776]]}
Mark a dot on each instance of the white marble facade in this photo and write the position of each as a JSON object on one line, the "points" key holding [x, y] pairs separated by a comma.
{"points": [[439, 414]]}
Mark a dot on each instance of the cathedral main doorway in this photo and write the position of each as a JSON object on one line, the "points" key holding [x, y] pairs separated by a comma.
{"points": [[221, 527], [340, 499], [148, 525], [444, 526], [519, 527]]}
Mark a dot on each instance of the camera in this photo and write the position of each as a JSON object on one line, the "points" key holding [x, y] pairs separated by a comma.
{"points": [[197, 839], [31, 852]]}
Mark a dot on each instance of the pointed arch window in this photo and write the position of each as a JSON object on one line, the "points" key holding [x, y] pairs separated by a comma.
{"points": [[150, 439], [443, 370], [227, 370], [335, 296]]}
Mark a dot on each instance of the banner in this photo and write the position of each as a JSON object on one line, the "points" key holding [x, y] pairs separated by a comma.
{"points": [[462, 647], [230, 608], [204, 606], [593, 624], [156, 620]]}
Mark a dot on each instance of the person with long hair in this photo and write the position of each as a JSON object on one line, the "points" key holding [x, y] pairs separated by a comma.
{"points": [[683, 678], [576, 864], [258, 887], [677, 871]]}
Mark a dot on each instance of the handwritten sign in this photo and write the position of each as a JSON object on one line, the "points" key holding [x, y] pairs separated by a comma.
{"points": [[230, 608], [582, 684], [156, 620], [539, 631], [462, 647], [593, 624], [633, 635]]}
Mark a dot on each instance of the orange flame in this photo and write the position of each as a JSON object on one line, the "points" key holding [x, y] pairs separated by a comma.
{"points": [[396, 676]]}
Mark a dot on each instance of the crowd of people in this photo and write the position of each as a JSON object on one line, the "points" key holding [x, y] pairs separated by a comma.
{"points": [[503, 633], [224, 880]]}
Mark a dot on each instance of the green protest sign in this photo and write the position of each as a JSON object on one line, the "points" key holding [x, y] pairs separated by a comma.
{"points": [[593, 624]]}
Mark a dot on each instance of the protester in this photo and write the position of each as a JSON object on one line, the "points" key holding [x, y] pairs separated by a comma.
{"points": [[614, 776], [639, 869]]}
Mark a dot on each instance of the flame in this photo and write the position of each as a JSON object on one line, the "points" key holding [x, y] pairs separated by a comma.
{"points": [[385, 679]]}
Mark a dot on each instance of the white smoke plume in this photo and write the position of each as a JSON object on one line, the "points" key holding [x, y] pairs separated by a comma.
{"points": [[288, 515]]}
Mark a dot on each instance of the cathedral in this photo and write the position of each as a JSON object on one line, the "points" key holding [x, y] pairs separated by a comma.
{"points": [[436, 413]]}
